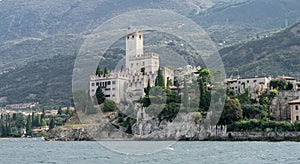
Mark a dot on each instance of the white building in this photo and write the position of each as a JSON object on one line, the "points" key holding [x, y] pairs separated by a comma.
{"points": [[140, 68], [255, 85]]}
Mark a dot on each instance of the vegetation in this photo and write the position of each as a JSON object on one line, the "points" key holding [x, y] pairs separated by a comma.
{"points": [[109, 106], [13, 125], [100, 95]]}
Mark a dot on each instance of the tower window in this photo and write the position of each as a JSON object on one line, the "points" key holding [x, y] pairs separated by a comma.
{"points": [[297, 118], [140, 36], [132, 36], [296, 107]]}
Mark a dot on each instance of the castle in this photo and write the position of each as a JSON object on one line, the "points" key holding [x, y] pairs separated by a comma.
{"points": [[140, 68]]}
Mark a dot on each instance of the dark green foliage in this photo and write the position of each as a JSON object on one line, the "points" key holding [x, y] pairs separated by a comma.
{"points": [[109, 106], [100, 95], [255, 111], [159, 81], [297, 126], [28, 125], [245, 97], [52, 123], [105, 71], [205, 93], [143, 70], [99, 72], [279, 84], [260, 125], [232, 112], [59, 111], [290, 86]]}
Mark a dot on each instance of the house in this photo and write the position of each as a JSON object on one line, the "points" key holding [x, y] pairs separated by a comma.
{"points": [[295, 110], [254, 85]]}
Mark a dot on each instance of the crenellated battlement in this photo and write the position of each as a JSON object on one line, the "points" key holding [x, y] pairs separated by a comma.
{"points": [[145, 56]]}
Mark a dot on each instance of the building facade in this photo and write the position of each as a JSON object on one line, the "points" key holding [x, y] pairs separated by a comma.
{"points": [[295, 110], [130, 83], [255, 85]]}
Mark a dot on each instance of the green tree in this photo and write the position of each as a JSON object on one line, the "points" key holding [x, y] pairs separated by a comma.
{"points": [[52, 123], [59, 111], [20, 121], [143, 70], [146, 100], [32, 120], [159, 81], [109, 106], [203, 81], [100, 95], [28, 125], [99, 72], [43, 122], [280, 84], [105, 71], [232, 112]]}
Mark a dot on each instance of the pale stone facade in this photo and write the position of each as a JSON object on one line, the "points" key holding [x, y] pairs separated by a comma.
{"points": [[255, 85], [140, 68], [295, 110]]}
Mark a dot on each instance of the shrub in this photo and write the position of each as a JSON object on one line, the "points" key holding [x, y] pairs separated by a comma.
{"points": [[109, 106]]}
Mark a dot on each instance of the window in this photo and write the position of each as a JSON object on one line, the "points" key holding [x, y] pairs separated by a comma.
{"points": [[93, 90], [107, 89], [113, 89], [107, 95], [113, 82], [97, 84], [132, 36], [93, 84], [109, 82], [140, 36], [247, 81], [143, 63], [297, 107], [254, 81], [297, 118]]}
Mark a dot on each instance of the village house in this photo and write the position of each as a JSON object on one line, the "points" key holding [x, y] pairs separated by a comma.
{"points": [[295, 110], [254, 85]]}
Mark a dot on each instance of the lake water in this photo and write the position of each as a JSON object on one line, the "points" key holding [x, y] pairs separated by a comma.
{"points": [[38, 151]]}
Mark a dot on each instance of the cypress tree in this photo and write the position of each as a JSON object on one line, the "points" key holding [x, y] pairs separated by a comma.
{"points": [[105, 71], [99, 71], [100, 95], [28, 125], [159, 81], [51, 125]]}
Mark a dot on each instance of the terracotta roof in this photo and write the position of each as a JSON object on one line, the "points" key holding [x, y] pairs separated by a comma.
{"points": [[297, 101]]}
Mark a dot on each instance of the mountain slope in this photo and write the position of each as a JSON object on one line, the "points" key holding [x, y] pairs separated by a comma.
{"points": [[275, 55], [25, 25]]}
